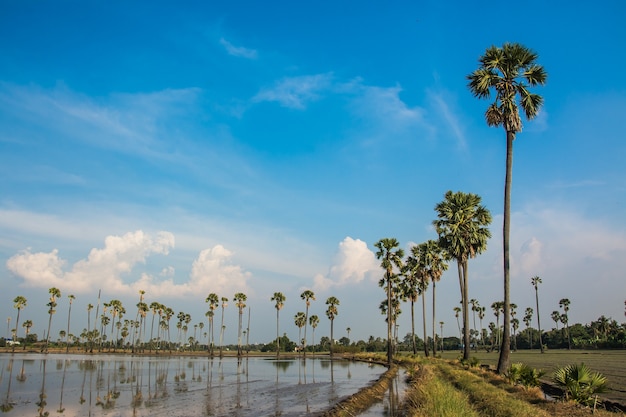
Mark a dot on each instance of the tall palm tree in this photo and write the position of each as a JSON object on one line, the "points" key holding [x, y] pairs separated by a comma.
{"points": [[213, 300], [70, 297], [331, 313], [300, 321], [240, 299], [508, 70], [222, 328], [279, 300], [535, 281], [481, 316], [463, 234], [141, 294], [564, 304], [313, 322], [410, 290], [391, 256], [514, 324], [26, 325], [19, 303], [433, 263], [52, 304], [307, 296], [475, 306], [497, 309]]}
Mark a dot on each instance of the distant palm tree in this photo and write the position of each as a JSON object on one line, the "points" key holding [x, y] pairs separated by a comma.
{"points": [[391, 256], [222, 328], [214, 302], [475, 306], [457, 311], [556, 317], [564, 304], [307, 296], [509, 71], [481, 315], [240, 301], [433, 263], [514, 324], [27, 325], [528, 317], [52, 304], [497, 309], [410, 289], [535, 281], [19, 303], [348, 330], [69, 316], [313, 322], [300, 321], [331, 313], [463, 234], [279, 300]]}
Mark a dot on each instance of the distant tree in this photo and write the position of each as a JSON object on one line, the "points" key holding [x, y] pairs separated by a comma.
{"points": [[564, 304], [300, 321], [222, 327], [307, 296], [535, 281], [556, 317], [279, 300], [313, 322], [27, 325], [71, 298], [240, 301], [331, 313], [55, 293], [391, 257], [213, 301], [528, 316], [19, 303]]}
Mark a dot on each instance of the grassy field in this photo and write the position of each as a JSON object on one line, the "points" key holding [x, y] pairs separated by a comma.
{"points": [[611, 363]]}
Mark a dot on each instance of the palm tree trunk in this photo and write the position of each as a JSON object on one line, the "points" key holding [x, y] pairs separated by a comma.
{"points": [[424, 324], [466, 324], [505, 348], [277, 336], [389, 321], [538, 319], [434, 327], [413, 325]]}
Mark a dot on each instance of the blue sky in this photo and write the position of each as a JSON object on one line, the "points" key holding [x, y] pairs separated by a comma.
{"points": [[183, 150]]}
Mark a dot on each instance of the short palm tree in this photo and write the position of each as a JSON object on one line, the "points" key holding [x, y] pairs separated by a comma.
{"points": [[391, 257], [213, 300], [279, 300], [222, 327], [313, 322], [331, 313], [579, 383], [463, 234], [410, 290], [300, 321], [433, 263], [27, 325], [71, 298], [564, 304], [509, 71]]}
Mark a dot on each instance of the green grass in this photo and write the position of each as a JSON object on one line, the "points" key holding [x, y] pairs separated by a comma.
{"points": [[610, 363]]}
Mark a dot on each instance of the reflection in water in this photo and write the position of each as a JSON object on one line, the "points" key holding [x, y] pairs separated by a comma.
{"points": [[87, 385]]}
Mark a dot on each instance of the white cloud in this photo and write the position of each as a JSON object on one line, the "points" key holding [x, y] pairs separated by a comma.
{"points": [[353, 264], [238, 51], [295, 92], [442, 105], [107, 268]]}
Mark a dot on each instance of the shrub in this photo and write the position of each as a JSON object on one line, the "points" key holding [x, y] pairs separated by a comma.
{"points": [[580, 383], [520, 373]]}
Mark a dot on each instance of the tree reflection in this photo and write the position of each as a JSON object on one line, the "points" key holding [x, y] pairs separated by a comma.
{"points": [[7, 405]]}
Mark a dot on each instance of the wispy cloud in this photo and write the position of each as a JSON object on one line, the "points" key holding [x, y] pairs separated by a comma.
{"points": [[295, 92], [451, 120], [238, 51], [576, 184]]}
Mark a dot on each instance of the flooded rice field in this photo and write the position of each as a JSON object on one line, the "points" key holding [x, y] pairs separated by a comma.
{"points": [[108, 385]]}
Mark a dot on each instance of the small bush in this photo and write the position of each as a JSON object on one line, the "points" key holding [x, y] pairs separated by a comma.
{"points": [[472, 362], [522, 374], [580, 383]]}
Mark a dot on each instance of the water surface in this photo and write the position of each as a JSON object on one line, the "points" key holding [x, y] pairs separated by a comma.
{"points": [[110, 385]]}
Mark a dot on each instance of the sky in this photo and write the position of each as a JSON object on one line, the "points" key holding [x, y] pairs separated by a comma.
{"points": [[255, 147]]}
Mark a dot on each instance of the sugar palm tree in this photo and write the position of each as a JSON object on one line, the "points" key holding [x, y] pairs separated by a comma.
{"points": [[331, 313], [497, 309], [509, 71], [391, 256], [457, 311], [300, 321], [240, 301], [535, 281], [19, 303], [213, 300], [314, 320], [481, 315], [514, 324], [433, 263], [410, 290], [55, 293], [528, 317], [307, 296], [564, 304], [222, 328], [348, 330], [279, 300], [26, 325], [463, 234], [475, 307], [556, 317], [70, 297]]}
